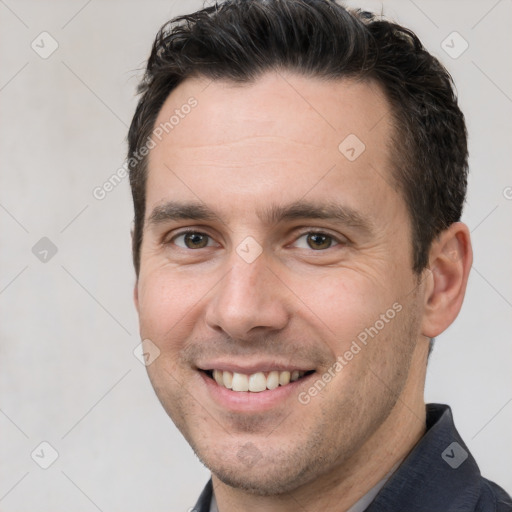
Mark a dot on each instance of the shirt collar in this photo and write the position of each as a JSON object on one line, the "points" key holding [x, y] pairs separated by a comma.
{"points": [[438, 474]]}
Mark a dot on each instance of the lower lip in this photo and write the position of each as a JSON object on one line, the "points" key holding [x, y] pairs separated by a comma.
{"points": [[247, 401]]}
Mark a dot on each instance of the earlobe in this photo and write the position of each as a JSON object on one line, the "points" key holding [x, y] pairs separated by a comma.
{"points": [[449, 265]]}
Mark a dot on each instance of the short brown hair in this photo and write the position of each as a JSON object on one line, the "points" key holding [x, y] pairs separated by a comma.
{"points": [[239, 40]]}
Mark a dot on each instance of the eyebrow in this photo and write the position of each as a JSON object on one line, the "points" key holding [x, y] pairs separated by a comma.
{"points": [[326, 211], [178, 210]]}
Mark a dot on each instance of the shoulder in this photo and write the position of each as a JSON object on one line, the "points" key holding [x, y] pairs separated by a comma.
{"points": [[493, 498]]}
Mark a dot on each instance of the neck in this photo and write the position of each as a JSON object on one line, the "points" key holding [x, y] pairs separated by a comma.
{"points": [[344, 485]]}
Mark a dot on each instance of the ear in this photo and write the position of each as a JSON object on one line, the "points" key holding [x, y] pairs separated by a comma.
{"points": [[450, 261]]}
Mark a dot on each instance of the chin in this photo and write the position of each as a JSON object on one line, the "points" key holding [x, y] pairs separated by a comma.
{"points": [[261, 481], [272, 473]]}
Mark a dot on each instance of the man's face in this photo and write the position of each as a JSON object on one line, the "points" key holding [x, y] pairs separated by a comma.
{"points": [[268, 247]]}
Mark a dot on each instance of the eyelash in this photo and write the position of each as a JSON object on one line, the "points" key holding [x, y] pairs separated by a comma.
{"points": [[336, 241]]}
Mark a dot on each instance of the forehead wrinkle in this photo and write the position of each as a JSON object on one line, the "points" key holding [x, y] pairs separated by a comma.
{"points": [[247, 140]]}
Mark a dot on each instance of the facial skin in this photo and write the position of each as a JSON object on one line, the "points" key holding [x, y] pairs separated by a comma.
{"points": [[247, 155]]}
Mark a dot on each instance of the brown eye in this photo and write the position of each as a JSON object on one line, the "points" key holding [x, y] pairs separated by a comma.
{"points": [[196, 240], [192, 240], [319, 241]]}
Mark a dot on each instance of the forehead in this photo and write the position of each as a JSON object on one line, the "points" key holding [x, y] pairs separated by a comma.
{"points": [[282, 133]]}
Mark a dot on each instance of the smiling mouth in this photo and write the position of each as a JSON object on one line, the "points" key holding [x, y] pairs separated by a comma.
{"points": [[255, 382]]}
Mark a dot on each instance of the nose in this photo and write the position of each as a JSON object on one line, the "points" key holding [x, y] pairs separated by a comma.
{"points": [[249, 300]]}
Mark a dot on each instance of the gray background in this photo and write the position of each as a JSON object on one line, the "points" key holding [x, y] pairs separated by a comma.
{"points": [[68, 327]]}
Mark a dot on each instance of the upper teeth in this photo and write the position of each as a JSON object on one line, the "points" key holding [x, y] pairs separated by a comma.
{"points": [[255, 382]]}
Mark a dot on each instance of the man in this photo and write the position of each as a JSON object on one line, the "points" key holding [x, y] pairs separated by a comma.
{"points": [[298, 173]]}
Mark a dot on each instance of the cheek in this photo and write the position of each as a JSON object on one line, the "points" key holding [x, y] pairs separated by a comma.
{"points": [[168, 302], [343, 305]]}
